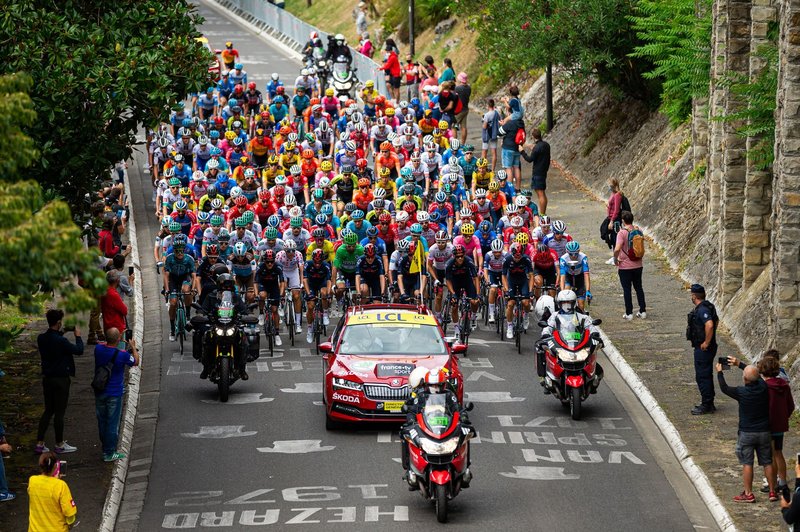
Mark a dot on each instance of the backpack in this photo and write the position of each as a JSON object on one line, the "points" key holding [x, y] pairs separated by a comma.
{"points": [[519, 138], [635, 244], [102, 374], [625, 205]]}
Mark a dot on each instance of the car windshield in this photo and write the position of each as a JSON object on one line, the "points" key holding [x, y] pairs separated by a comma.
{"points": [[392, 340]]}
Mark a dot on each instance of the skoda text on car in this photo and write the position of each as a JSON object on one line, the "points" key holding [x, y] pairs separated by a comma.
{"points": [[372, 351]]}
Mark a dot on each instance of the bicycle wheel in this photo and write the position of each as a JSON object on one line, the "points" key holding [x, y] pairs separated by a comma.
{"points": [[269, 331], [518, 331], [288, 314], [466, 325], [180, 325]]}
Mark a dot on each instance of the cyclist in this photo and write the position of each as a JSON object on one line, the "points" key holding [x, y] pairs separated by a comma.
{"points": [[179, 277], [290, 259], [344, 263], [558, 239], [545, 268], [370, 274], [387, 184], [411, 271], [574, 270], [380, 246], [272, 287], [206, 278], [230, 55], [364, 196], [543, 229], [387, 231], [242, 267], [272, 88], [438, 256], [345, 183], [485, 235], [493, 262], [317, 285], [471, 244], [461, 277], [517, 280]]}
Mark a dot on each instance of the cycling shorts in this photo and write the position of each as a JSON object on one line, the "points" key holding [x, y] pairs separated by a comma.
{"points": [[373, 283], [349, 277], [467, 288], [548, 274], [177, 281], [292, 279], [495, 278], [577, 284], [518, 288]]}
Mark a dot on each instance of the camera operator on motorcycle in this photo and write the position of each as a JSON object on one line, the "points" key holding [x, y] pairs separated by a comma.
{"points": [[225, 284], [569, 316], [313, 48], [338, 50]]}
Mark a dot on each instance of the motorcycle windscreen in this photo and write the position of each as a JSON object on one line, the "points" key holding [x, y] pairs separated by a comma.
{"points": [[436, 414], [570, 331], [225, 309]]}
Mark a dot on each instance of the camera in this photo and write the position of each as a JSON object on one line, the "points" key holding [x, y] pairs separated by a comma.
{"points": [[128, 335], [724, 362], [69, 328], [62, 468]]}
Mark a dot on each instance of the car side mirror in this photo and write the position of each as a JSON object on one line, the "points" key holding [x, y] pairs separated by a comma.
{"points": [[326, 348], [542, 324], [469, 406], [597, 321], [459, 349]]}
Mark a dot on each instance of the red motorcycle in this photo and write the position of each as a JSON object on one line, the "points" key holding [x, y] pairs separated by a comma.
{"points": [[438, 444], [567, 362]]}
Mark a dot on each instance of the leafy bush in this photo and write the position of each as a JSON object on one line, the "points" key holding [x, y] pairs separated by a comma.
{"points": [[676, 38], [431, 12]]}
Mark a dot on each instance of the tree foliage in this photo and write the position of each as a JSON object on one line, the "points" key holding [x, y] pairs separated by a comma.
{"points": [[587, 37], [39, 242], [99, 68], [676, 37]]}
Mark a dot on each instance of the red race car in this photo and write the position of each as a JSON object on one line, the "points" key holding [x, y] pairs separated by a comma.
{"points": [[370, 356]]}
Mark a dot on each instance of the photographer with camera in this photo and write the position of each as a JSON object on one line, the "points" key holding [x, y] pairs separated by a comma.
{"points": [[51, 508], [108, 401], [754, 430], [58, 368]]}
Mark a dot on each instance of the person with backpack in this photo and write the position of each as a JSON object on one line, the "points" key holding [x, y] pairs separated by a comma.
{"points": [[628, 254], [613, 220], [701, 331], [491, 126]]}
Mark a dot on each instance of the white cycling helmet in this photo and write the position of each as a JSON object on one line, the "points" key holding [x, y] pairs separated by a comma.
{"points": [[497, 245], [402, 216], [520, 200]]}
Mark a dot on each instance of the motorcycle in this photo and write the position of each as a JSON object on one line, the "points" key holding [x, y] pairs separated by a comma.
{"points": [[438, 445], [225, 332], [567, 361], [342, 78], [321, 69], [310, 60]]}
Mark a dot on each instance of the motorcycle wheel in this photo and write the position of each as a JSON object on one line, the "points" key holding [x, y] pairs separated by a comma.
{"points": [[224, 379], [575, 403], [441, 503]]}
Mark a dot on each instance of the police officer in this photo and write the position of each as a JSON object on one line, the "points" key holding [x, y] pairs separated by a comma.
{"points": [[701, 331]]}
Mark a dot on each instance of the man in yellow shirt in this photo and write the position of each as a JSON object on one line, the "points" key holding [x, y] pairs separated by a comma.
{"points": [[52, 508]]}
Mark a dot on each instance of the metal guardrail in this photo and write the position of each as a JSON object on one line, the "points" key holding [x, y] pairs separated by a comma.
{"points": [[298, 32]]}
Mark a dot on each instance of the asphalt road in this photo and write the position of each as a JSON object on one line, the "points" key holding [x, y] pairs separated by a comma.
{"points": [[265, 458]]}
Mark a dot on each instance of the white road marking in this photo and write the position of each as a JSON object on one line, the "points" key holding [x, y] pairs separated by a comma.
{"points": [[478, 374], [540, 473], [296, 447], [304, 387], [242, 399], [220, 432], [492, 397]]}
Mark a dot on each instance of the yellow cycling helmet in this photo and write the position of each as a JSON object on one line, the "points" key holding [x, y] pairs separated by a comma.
{"points": [[494, 186], [326, 166], [467, 229], [482, 163], [522, 238], [289, 147], [385, 171], [443, 125], [329, 91], [273, 159], [369, 83], [390, 111], [230, 135], [186, 192]]}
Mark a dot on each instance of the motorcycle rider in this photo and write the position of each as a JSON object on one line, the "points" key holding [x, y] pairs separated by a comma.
{"points": [[567, 312], [225, 283], [313, 42], [337, 47]]}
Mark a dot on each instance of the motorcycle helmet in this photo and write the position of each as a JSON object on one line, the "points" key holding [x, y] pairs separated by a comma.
{"points": [[566, 300], [417, 377], [225, 282], [437, 380]]}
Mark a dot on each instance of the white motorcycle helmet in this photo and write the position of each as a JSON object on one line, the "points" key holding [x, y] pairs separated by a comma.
{"points": [[566, 300], [417, 377], [545, 307]]}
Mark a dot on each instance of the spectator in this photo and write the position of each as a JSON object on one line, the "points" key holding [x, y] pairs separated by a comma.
{"points": [[540, 157], [58, 368], [464, 92], [702, 333], [361, 18], [430, 69], [365, 46], [5, 448], [106, 240], [791, 510], [491, 125], [108, 404], [115, 312], [448, 73], [125, 281], [95, 331], [51, 508], [613, 215], [449, 103], [412, 77], [629, 270], [510, 149], [393, 70], [754, 427]]}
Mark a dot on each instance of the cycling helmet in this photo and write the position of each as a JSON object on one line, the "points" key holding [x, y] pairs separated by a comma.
{"points": [[351, 239], [273, 159], [216, 203], [239, 249], [402, 216], [318, 194], [323, 126], [181, 205], [174, 227], [212, 164], [363, 182], [296, 221], [566, 300], [544, 221], [295, 169], [270, 233], [385, 217], [326, 166], [372, 232], [357, 214], [347, 169], [405, 172], [516, 222], [522, 238], [290, 200], [174, 181], [350, 145], [465, 212], [511, 209], [416, 229], [501, 175], [248, 217], [280, 180], [249, 172], [379, 193], [494, 186], [485, 226], [435, 216], [369, 250], [224, 236], [350, 207], [240, 201], [212, 250], [441, 236], [467, 229], [573, 247], [308, 153], [453, 177], [409, 207], [317, 255], [319, 232], [454, 145], [273, 220], [264, 195], [497, 245], [327, 209], [385, 145], [290, 245], [203, 217], [559, 227], [480, 193], [213, 134], [238, 141], [459, 249], [198, 175], [402, 246], [385, 171], [240, 222], [269, 256], [423, 216], [520, 200], [440, 197], [217, 220], [409, 188], [415, 157]]}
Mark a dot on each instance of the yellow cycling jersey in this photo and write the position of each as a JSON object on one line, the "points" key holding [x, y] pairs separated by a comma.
{"points": [[327, 248], [269, 174]]}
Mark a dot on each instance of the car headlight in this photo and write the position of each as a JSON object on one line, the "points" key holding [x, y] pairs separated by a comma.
{"points": [[347, 385], [438, 447]]}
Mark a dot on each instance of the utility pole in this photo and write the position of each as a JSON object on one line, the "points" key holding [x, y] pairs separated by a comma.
{"points": [[411, 27]]}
